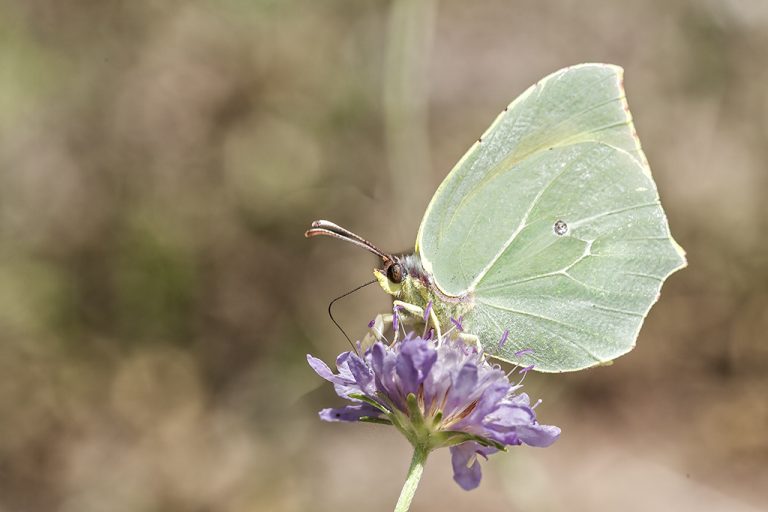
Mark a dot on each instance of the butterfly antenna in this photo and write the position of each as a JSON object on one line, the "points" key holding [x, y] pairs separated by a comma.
{"points": [[330, 312], [327, 228]]}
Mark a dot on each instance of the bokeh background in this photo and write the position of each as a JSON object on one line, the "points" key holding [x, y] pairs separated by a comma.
{"points": [[160, 160]]}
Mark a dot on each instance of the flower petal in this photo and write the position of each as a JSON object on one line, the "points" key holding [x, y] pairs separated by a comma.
{"points": [[362, 374], [343, 377], [521, 399], [342, 364], [460, 392], [508, 416], [438, 382], [414, 362], [487, 403], [349, 413], [346, 389], [382, 360], [344, 382], [538, 435], [465, 474], [321, 368]]}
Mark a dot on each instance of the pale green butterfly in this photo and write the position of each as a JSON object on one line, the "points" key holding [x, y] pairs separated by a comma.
{"points": [[547, 235]]}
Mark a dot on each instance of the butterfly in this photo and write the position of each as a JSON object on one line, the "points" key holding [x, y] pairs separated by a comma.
{"points": [[547, 240]]}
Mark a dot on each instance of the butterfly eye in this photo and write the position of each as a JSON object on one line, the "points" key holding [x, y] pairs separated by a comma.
{"points": [[395, 273]]}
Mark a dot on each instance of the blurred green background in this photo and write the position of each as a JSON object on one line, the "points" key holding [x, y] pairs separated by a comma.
{"points": [[160, 160]]}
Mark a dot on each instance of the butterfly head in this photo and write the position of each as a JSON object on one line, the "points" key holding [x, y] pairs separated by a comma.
{"points": [[396, 270]]}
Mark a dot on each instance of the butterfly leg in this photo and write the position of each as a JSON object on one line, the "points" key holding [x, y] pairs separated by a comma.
{"points": [[435, 324], [403, 314], [469, 339], [407, 314], [411, 309], [419, 314], [377, 328]]}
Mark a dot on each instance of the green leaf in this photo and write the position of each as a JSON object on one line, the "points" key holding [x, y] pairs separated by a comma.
{"points": [[414, 411], [378, 421], [449, 438]]}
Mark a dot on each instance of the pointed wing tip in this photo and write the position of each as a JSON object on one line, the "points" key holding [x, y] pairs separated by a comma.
{"points": [[615, 69]]}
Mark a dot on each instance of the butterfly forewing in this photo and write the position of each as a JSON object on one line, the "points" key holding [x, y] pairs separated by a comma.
{"points": [[552, 224]]}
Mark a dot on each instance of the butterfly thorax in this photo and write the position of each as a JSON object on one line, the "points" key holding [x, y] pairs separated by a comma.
{"points": [[418, 288]]}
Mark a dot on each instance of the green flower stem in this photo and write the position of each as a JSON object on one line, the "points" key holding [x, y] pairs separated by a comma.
{"points": [[412, 481]]}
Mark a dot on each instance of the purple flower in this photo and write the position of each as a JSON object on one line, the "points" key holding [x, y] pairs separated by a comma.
{"points": [[438, 393]]}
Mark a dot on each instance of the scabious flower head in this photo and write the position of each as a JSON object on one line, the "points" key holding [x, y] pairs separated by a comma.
{"points": [[438, 393]]}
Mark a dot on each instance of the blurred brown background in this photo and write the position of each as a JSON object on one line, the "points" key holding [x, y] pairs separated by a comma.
{"points": [[160, 160]]}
